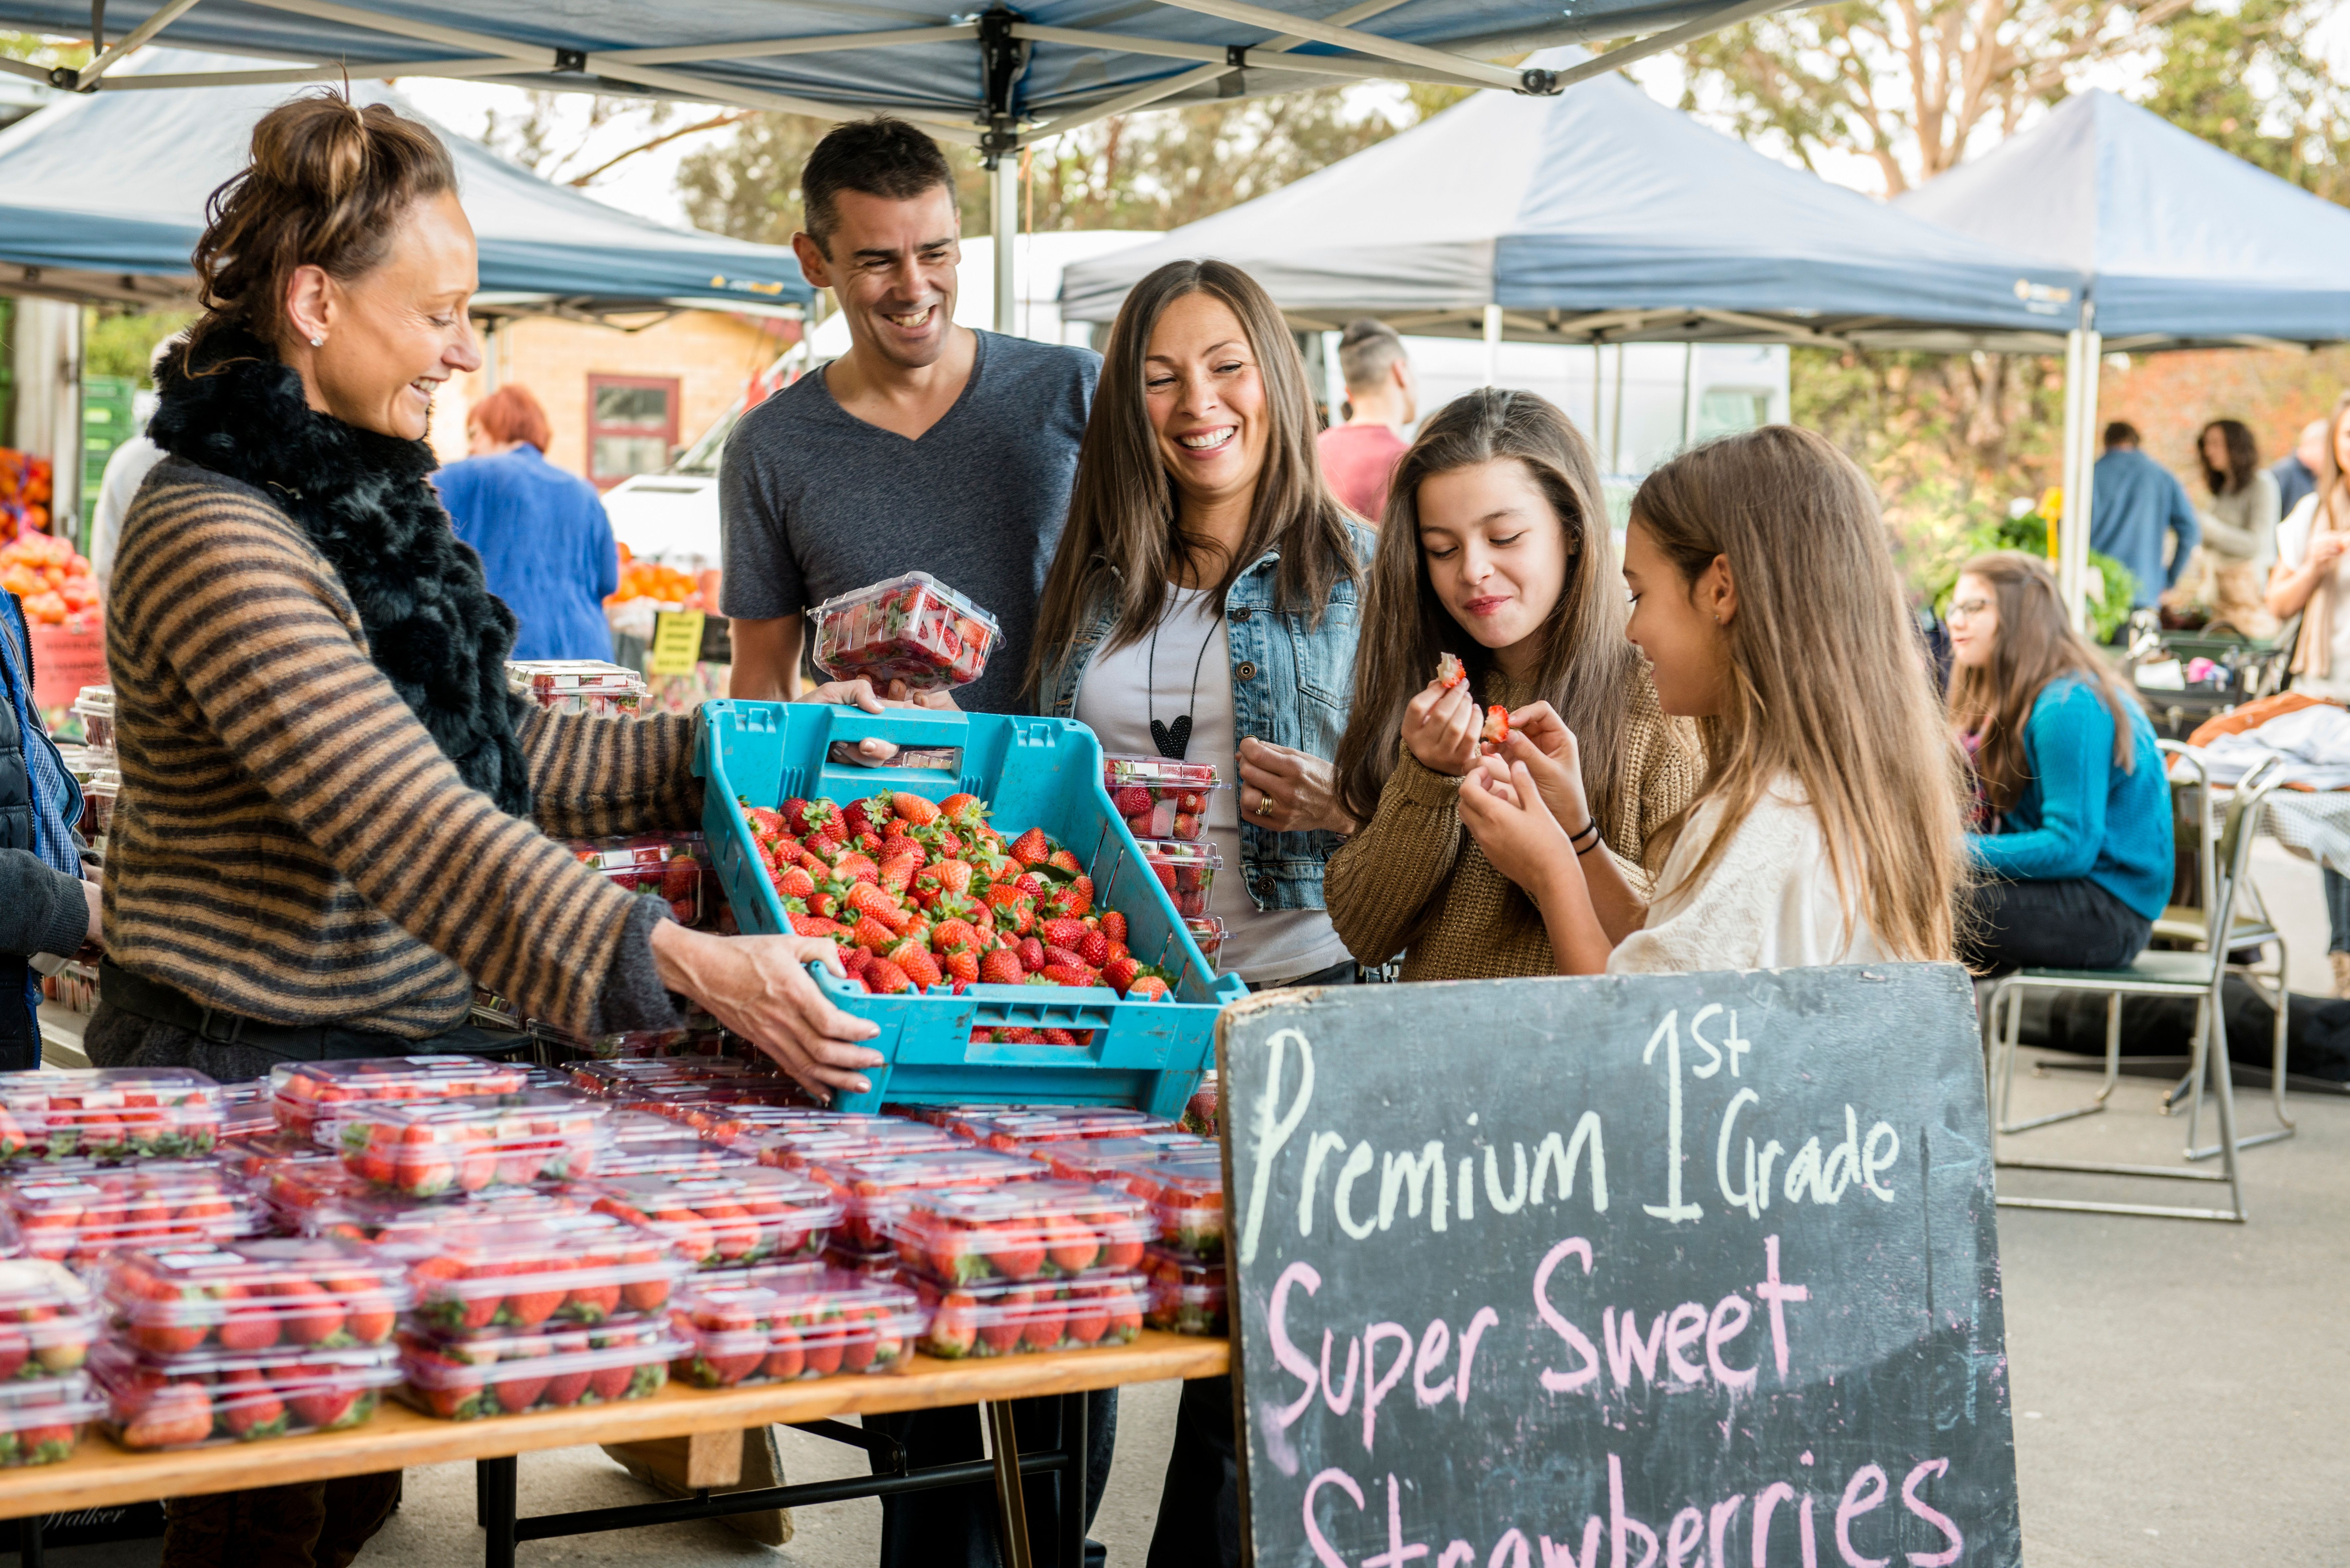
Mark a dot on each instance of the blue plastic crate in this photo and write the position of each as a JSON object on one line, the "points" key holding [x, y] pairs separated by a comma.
{"points": [[1032, 773]]}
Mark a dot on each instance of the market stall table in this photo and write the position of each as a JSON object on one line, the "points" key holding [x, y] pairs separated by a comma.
{"points": [[100, 1475]]}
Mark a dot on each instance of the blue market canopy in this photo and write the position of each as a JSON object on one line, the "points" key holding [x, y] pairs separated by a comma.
{"points": [[1001, 78], [102, 197], [1600, 215], [2184, 246]]}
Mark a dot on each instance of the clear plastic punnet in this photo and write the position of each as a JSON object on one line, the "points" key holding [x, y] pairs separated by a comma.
{"points": [[728, 1218], [554, 1271], [1186, 1195], [576, 685], [313, 1291], [1186, 1296], [48, 1320], [667, 865], [618, 1078], [1209, 931], [695, 1042], [1109, 1158], [95, 708], [42, 1419], [509, 1374], [77, 1212], [1187, 870], [218, 1396], [246, 1110], [100, 791], [647, 1145], [1031, 1230], [871, 1190], [783, 1324], [115, 1113], [792, 1147], [1001, 1318], [911, 627], [308, 1095], [431, 1149], [1160, 797], [1015, 1128], [410, 1231]]}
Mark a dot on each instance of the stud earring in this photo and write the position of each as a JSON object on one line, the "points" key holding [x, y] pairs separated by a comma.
{"points": [[321, 343]]}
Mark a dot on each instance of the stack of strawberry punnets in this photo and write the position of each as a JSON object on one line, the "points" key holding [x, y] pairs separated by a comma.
{"points": [[308, 1096], [576, 686], [1017, 1128], [540, 1313], [115, 1113], [1181, 1179], [728, 1218], [922, 894], [1040, 1265], [76, 1211], [872, 1188], [776, 1325], [439, 1148], [1160, 797], [796, 1146], [48, 1323]]}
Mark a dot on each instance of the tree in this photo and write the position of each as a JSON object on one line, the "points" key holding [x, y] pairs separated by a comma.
{"points": [[547, 138], [2248, 82]]}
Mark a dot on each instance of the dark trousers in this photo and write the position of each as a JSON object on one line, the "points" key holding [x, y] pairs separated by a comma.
{"points": [[2337, 911], [321, 1524], [954, 1527], [2071, 924]]}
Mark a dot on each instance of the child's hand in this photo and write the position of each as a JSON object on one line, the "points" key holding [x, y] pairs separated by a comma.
{"points": [[1440, 728], [1540, 739], [1514, 828]]}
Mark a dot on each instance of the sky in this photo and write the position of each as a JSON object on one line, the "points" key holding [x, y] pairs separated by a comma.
{"points": [[647, 184]]}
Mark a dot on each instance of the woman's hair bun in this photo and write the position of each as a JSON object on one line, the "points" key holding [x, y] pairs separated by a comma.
{"points": [[326, 184]]}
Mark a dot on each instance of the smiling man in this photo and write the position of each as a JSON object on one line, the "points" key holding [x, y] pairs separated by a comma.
{"points": [[927, 446]]}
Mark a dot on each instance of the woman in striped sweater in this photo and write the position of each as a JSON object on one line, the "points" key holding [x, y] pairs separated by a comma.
{"points": [[333, 819]]}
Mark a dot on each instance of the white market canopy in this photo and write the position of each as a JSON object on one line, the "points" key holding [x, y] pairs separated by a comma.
{"points": [[103, 198], [1599, 216]]}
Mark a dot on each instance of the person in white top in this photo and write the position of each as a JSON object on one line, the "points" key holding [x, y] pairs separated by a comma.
{"points": [[1829, 828], [2311, 576]]}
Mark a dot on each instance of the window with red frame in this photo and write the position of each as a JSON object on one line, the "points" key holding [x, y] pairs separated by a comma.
{"points": [[631, 426]]}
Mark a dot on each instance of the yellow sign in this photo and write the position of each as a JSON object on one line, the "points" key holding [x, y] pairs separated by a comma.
{"points": [[677, 643]]}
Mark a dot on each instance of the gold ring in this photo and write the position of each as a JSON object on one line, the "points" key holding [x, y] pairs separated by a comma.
{"points": [[1265, 805]]}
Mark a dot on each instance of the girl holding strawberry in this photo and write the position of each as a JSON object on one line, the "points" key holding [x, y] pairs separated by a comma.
{"points": [[1829, 828], [1495, 576]]}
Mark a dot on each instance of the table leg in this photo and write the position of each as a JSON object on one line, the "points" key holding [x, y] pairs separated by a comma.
{"points": [[495, 1482], [1011, 1507], [29, 1542], [1075, 1446]]}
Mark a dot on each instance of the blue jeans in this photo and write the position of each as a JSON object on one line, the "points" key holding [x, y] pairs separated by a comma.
{"points": [[2337, 911]]}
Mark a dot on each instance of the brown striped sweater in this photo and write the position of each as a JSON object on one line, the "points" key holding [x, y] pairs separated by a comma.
{"points": [[290, 844]]}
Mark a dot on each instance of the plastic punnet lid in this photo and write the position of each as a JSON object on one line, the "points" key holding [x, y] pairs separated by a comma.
{"points": [[505, 1375], [79, 1207], [306, 1095], [776, 1325], [729, 1218], [1015, 1129], [526, 1273], [255, 1295], [565, 675], [430, 1149], [41, 1418], [1001, 1318], [1158, 772], [95, 700], [871, 1190], [49, 1320], [1180, 852], [1042, 1230], [408, 1229], [228, 1395], [620, 1077], [1186, 1295], [246, 1110], [789, 1146], [1106, 1159], [111, 1114]]}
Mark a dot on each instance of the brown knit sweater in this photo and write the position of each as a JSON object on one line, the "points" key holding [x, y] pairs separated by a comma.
{"points": [[290, 844], [1413, 881]]}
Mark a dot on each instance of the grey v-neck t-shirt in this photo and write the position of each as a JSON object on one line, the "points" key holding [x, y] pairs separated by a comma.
{"points": [[814, 501]]}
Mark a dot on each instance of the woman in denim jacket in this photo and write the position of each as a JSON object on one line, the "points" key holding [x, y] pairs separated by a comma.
{"points": [[1202, 602], [1203, 605]]}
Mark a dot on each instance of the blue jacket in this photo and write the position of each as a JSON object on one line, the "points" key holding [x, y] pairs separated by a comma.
{"points": [[2078, 814], [41, 902], [546, 544], [1293, 682], [2133, 500]]}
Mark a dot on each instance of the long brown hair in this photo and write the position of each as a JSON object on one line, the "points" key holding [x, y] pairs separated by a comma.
{"points": [[1831, 682], [2243, 456], [326, 186], [1586, 661], [2333, 485], [1122, 508], [2035, 644]]}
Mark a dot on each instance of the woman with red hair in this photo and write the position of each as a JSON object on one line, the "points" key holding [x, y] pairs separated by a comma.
{"points": [[546, 544]]}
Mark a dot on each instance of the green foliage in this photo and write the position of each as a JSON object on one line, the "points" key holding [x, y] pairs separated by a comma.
{"points": [[118, 345], [2250, 80], [2029, 533]]}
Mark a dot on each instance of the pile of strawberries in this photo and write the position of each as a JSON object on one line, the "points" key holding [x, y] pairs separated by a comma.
{"points": [[922, 894]]}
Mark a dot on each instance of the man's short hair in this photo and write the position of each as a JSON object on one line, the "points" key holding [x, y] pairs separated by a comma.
{"points": [[1365, 349], [878, 157], [2121, 432]]}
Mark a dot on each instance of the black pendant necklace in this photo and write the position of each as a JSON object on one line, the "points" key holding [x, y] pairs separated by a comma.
{"points": [[1174, 740]]}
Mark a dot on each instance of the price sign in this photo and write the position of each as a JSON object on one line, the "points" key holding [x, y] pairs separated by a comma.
{"points": [[677, 643]]}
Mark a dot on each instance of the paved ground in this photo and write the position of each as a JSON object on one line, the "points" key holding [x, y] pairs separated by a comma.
{"points": [[2180, 1388]]}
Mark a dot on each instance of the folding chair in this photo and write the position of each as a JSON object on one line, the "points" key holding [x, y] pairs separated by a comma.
{"points": [[2199, 975], [2254, 928]]}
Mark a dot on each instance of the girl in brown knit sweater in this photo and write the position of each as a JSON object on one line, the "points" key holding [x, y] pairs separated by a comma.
{"points": [[1494, 550]]}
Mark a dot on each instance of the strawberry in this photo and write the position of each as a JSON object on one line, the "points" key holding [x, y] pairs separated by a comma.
{"points": [[1061, 1037], [1028, 882], [766, 825], [1001, 966], [1132, 801], [784, 1359], [915, 960], [953, 1327], [1032, 847], [323, 1404], [1119, 973], [869, 932], [853, 961], [565, 1389], [793, 882], [248, 1407], [857, 867], [1089, 1318], [610, 1382], [1094, 948], [1063, 861], [1078, 897], [856, 817], [961, 965], [867, 900], [813, 926], [1063, 933], [898, 874], [1032, 954], [914, 808], [886, 979], [314, 1315], [1041, 1324], [1057, 954], [951, 876], [1187, 825], [1146, 988], [1001, 1332], [966, 809], [950, 934], [1497, 725], [1450, 671], [680, 878], [1069, 974], [1113, 925]]}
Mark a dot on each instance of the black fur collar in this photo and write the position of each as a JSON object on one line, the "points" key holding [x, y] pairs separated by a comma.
{"points": [[432, 626]]}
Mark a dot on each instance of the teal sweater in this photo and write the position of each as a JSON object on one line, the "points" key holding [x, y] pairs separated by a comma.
{"points": [[2078, 814]]}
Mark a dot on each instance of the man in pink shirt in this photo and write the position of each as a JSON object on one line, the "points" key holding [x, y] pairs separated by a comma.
{"points": [[1360, 457]]}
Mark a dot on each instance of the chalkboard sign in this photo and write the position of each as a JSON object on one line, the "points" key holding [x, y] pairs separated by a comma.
{"points": [[1642, 1272]]}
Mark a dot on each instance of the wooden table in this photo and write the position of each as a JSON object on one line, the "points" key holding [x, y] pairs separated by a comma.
{"points": [[397, 1437]]}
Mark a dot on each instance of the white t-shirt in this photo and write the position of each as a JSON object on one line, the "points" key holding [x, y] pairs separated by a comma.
{"points": [[1770, 902], [1122, 690], [2293, 549]]}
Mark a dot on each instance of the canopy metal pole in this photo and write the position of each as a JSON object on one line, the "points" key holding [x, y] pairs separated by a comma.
{"points": [[1689, 394], [1616, 419], [1004, 219], [2081, 356], [1492, 346]]}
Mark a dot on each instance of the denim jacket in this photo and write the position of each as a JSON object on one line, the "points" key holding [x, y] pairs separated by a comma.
{"points": [[1292, 683]]}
